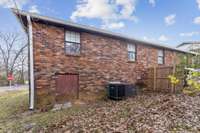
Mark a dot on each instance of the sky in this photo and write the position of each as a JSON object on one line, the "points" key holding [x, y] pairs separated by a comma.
{"points": [[168, 22]]}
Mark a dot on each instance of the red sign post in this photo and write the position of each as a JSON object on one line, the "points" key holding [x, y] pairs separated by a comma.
{"points": [[10, 78]]}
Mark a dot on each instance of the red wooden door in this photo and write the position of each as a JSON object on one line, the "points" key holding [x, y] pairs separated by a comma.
{"points": [[66, 87]]}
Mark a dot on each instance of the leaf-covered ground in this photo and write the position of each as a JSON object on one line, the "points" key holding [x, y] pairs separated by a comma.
{"points": [[144, 113], [149, 113]]}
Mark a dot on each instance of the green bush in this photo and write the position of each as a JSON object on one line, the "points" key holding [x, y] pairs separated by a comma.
{"points": [[193, 80]]}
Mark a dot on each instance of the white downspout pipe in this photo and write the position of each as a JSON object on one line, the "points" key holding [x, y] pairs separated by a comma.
{"points": [[31, 63]]}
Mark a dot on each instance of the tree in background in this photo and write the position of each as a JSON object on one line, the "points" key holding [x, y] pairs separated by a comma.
{"points": [[21, 69], [13, 53], [190, 60]]}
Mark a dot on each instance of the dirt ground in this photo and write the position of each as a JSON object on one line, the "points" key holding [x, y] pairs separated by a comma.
{"points": [[145, 113]]}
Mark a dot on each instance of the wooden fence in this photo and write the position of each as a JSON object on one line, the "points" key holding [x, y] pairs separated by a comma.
{"points": [[157, 78]]}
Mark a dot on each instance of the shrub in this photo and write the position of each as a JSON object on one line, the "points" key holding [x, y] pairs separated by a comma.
{"points": [[193, 80], [173, 80]]}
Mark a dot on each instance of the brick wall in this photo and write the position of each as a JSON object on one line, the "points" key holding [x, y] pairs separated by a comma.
{"points": [[102, 60]]}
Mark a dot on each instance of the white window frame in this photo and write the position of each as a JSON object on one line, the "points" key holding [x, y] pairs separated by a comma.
{"points": [[72, 43], [161, 57], [131, 48]]}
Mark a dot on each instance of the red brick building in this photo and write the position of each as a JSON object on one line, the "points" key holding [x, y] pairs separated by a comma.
{"points": [[72, 61]]}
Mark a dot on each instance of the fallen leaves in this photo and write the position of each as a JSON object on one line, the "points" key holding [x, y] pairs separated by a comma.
{"points": [[143, 113]]}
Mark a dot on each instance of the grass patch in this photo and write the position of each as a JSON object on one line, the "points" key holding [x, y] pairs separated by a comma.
{"points": [[40, 120], [13, 103], [15, 116]]}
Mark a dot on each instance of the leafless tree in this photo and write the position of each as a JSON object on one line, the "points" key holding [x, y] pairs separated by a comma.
{"points": [[21, 66], [12, 47]]}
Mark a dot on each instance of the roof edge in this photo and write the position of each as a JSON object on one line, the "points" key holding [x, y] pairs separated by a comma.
{"points": [[20, 13], [186, 43]]}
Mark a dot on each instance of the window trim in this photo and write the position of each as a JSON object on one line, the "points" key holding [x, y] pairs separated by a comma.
{"points": [[163, 57], [135, 52], [72, 54]]}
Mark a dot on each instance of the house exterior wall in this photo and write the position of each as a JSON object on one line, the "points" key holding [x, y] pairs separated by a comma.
{"points": [[102, 60]]}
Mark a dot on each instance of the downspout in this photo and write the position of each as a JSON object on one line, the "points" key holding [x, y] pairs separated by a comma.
{"points": [[31, 63]]}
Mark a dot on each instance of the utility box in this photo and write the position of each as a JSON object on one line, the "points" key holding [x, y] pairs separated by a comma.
{"points": [[119, 91]]}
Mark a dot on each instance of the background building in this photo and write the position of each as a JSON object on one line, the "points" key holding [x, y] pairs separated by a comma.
{"points": [[192, 47]]}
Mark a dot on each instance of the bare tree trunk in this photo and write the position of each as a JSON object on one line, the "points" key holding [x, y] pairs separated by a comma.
{"points": [[22, 72]]}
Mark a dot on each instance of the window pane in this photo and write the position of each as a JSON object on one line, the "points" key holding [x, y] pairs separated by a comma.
{"points": [[67, 36], [131, 56], [67, 47], [131, 47], [77, 37], [73, 37], [160, 60], [72, 48], [160, 53]]}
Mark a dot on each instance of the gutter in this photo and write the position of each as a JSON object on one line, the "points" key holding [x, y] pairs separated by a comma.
{"points": [[31, 67], [94, 30]]}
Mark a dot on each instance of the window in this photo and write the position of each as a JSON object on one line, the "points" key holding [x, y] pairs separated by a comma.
{"points": [[131, 52], [72, 43], [160, 56]]}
